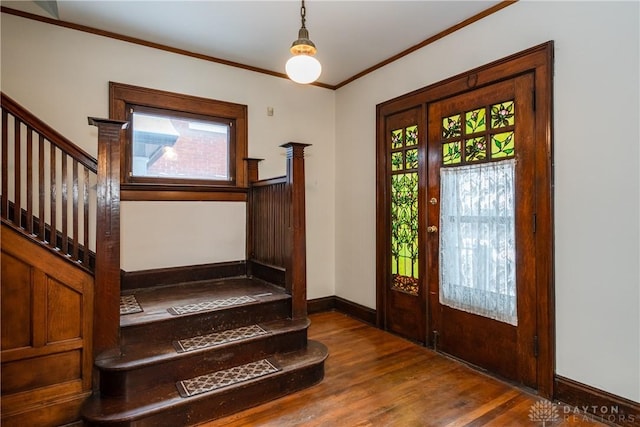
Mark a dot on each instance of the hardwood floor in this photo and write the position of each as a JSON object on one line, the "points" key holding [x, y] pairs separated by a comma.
{"points": [[373, 378]]}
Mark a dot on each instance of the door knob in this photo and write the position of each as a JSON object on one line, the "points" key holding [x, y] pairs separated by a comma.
{"points": [[432, 229]]}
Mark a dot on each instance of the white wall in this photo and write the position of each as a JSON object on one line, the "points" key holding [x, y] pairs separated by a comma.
{"points": [[62, 76], [596, 95]]}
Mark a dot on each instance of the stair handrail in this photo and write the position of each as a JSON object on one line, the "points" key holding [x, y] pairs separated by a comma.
{"points": [[74, 187], [49, 133]]}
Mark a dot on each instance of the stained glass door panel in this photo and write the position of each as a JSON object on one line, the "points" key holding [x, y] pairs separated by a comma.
{"points": [[404, 294]]}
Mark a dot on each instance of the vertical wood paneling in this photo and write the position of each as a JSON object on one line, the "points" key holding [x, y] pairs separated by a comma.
{"points": [[268, 222]]}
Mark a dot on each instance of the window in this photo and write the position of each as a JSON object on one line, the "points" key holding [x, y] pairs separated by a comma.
{"points": [[180, 147]]}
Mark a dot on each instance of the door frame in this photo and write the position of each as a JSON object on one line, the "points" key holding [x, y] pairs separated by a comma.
{"points": [[539, 61]]}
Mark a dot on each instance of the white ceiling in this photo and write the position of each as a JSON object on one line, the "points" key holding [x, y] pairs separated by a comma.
{"points": [[351, 35]]}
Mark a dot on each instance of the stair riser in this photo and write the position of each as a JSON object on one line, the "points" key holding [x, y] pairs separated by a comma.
{"points": [[199, 362], [203, 408], [179, 327]]}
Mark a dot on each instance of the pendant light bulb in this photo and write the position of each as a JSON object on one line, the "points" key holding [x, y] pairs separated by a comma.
{"points": [[303, 69]]}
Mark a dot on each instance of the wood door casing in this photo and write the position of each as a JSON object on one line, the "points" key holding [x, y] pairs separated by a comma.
{"points": [[538, 61]]}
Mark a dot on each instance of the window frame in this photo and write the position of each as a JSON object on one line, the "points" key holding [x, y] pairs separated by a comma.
{"points": [[123, 96]]}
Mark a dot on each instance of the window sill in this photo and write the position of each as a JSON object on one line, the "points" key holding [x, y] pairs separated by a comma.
{"points": [[154, 192]]}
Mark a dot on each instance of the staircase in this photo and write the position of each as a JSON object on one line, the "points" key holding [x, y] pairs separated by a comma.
{"points": [[175, 354], [199, 351]]}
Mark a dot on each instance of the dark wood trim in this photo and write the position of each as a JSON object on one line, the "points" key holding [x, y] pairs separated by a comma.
{"points": [[539, 61], [432, 39], [106, 325], [252, 169], [270, 181], [269, 273], [296, 241], [123, 96], [603, 406], [352, 309], [252, 175], [84, 259], [166, 48], [366, 314], [192, 195], [321, 305], [174, 275]]}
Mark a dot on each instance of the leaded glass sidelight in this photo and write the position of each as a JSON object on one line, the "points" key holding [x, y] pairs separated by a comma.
{"points": [[404, 209]]}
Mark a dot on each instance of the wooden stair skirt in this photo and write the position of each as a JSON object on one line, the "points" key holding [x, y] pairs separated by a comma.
{"points": [[198, 351]]}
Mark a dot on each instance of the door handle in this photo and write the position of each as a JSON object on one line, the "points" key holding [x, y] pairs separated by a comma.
{"points": [[432, 229]]}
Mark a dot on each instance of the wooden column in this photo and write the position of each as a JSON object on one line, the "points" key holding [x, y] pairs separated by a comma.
{"points": [[296, 263], [251, 177], [252, 169], [106, 323]]}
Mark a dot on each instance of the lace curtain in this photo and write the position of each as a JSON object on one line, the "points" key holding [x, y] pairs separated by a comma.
{"points": [[477, 240]]}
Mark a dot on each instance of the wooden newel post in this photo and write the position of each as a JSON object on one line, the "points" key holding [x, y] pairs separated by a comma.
{"points": [[106, 327], [296, 261], [251, 177], [252, 169]]}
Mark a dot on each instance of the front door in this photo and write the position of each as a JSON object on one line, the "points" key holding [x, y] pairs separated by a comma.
{"points": [[480, 227]]}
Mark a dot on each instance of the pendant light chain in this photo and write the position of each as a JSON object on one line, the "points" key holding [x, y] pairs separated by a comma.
{"points": [[303, 14]]}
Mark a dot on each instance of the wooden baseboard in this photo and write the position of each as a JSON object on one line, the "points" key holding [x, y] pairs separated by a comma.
{"points": [[173, 275], [357, 311], [601, 405], [320, 305], [269, 273]]}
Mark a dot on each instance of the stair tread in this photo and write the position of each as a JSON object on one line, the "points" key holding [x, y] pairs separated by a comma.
{"points": [[156, 301], [146, 353], [164, 396]]}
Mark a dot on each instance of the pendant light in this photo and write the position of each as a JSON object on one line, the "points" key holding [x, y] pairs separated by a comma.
{"points": [[302, 67]]}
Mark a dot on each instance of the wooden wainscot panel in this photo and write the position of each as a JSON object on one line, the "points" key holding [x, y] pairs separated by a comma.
{"points": [[47, 310]]}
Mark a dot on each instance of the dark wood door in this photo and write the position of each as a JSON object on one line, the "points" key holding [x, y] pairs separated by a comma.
{"points": [[405, 285], [485, 128]]}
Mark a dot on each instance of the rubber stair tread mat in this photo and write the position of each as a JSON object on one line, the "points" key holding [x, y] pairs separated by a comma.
{"points": [[225, 378], [210, 305], [129, 305], [218, 338]]}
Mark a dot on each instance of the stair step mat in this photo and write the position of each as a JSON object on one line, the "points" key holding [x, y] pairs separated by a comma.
{"points": [[129, 305], [225, 378], [209, 305], [218, 338]]}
